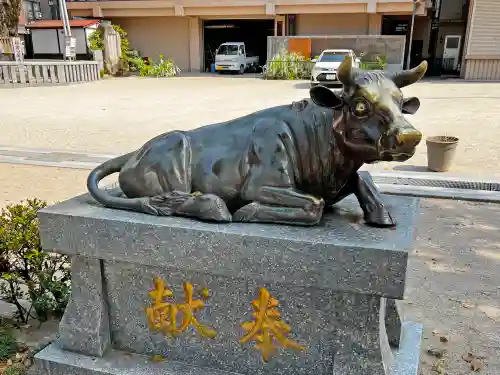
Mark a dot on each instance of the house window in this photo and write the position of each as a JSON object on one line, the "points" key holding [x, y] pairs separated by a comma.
{"points": [[54, 12], [32, 10]]}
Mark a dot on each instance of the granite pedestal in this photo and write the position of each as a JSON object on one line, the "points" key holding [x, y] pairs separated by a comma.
{"points": [[168, 295]]}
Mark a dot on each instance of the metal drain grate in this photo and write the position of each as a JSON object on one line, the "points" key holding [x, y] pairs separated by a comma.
{"points": [[453, 184]]}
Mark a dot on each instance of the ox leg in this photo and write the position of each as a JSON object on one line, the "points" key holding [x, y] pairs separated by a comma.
{"points": [[369, 198], [208, 207], [280, 205]]}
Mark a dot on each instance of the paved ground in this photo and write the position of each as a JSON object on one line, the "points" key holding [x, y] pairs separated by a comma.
{"points": [[117, 115], [453, 278]]}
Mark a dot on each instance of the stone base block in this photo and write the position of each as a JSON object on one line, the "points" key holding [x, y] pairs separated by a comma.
{"points": [[54, 361]]}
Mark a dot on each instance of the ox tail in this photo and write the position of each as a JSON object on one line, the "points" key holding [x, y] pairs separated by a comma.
{"points": [[161, 205], [104, 197]]}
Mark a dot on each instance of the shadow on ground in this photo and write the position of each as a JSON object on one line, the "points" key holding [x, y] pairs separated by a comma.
{"points": [[410, 168], [455, 81], [453, 284], [221, 75], [302, 85]]}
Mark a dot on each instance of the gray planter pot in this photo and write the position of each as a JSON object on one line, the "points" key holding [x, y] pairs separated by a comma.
{"points": [[441, 152]]}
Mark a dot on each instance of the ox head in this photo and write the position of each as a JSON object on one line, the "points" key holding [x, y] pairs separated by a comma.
{"points": [[373, 127]]}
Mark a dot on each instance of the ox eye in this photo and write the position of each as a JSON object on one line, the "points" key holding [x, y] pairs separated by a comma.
{"points": [[361, 108]]}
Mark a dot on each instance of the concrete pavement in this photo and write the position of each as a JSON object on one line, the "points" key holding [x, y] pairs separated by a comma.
{"points": [[116, 115]]}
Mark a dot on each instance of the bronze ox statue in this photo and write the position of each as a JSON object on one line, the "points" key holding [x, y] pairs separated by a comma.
{"points": [[283, 164]]}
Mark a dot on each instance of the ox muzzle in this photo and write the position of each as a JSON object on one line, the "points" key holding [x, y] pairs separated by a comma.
{"points": [[398, 143]]}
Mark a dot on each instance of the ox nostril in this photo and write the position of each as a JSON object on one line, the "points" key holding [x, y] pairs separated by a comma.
{"points": [[409, 138]]}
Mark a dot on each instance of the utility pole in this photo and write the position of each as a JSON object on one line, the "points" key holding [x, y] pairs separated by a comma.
{"points": [[69, 41], [408, 57]]}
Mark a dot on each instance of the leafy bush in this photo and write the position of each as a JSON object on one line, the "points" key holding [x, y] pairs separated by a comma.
{"points": [[288, 65], [124, 43], [132, 55], [150, 68], [101, 73], [16, 369], [373, 61], [96, 42], [8, 344], [28, 272]]}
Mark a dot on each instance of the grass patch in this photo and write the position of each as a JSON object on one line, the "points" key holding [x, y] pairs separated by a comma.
{"points": [[8, 344], [16, 369]]}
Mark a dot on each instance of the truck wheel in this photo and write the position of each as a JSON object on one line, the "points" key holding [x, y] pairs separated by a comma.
{"points": [[242, 69]]}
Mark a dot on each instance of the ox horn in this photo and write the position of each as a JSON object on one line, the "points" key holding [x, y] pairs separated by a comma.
{"points": [[408, 77], [344, 72]]}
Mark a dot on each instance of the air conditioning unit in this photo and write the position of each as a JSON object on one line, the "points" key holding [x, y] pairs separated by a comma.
{"points": [[38, 15]]}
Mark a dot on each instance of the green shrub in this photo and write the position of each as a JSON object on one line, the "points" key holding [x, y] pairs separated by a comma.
{"points": [[96, 42], [373, 61], [101, 73], [124, 43], [8, 344], [290, 66], [160, 68], [132, 55], [27, 271], [16, 369]]}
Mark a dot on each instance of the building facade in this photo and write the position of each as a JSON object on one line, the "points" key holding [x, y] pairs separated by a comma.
{"points": [[189, 30], [448, 23], [481, 57]]}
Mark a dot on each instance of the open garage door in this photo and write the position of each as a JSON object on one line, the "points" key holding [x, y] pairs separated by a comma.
{"points": [[253, 33]]}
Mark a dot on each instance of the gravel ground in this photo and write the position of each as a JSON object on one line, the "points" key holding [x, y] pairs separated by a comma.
{"points": [[117, 115]]}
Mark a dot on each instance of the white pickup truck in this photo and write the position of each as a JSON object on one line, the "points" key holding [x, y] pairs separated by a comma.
{"points": [[232, 57]]}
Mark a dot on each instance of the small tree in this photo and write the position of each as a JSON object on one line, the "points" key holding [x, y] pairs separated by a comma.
{"points": [[26, 271], [10, 10]]}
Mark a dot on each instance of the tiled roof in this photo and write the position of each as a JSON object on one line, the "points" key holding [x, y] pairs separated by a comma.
{"points": [[58, 24]]}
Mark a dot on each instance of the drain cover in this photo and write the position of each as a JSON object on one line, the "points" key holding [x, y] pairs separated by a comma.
{"points": [[448, 184]]}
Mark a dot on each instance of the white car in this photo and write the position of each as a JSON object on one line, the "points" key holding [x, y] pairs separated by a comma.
{"points": [[325, 68]]}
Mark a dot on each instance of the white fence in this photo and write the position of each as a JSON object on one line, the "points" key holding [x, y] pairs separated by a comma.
{"points": [[37, 73], [6, 46]]}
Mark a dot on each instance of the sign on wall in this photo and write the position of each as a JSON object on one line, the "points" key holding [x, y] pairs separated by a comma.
{"points": [[70, 47], [18, 47]]}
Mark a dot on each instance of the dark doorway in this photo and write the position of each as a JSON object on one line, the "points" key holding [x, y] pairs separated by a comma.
{"points": [[395, 25], [253, 33]]}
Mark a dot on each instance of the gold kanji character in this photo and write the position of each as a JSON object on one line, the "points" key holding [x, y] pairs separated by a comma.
{"points": [[267, 327], [162, 315]]}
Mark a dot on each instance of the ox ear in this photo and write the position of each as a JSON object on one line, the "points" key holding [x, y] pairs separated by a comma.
{"points": [[410, 105], [325, 97]]}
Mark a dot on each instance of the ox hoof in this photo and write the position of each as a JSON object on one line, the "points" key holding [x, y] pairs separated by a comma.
{"points": [[380, 218], [245, 213], [207, 207]]}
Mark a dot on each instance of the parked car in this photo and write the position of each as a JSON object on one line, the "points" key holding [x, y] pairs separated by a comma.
{"points": [[325, 68], [232, 57]]}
